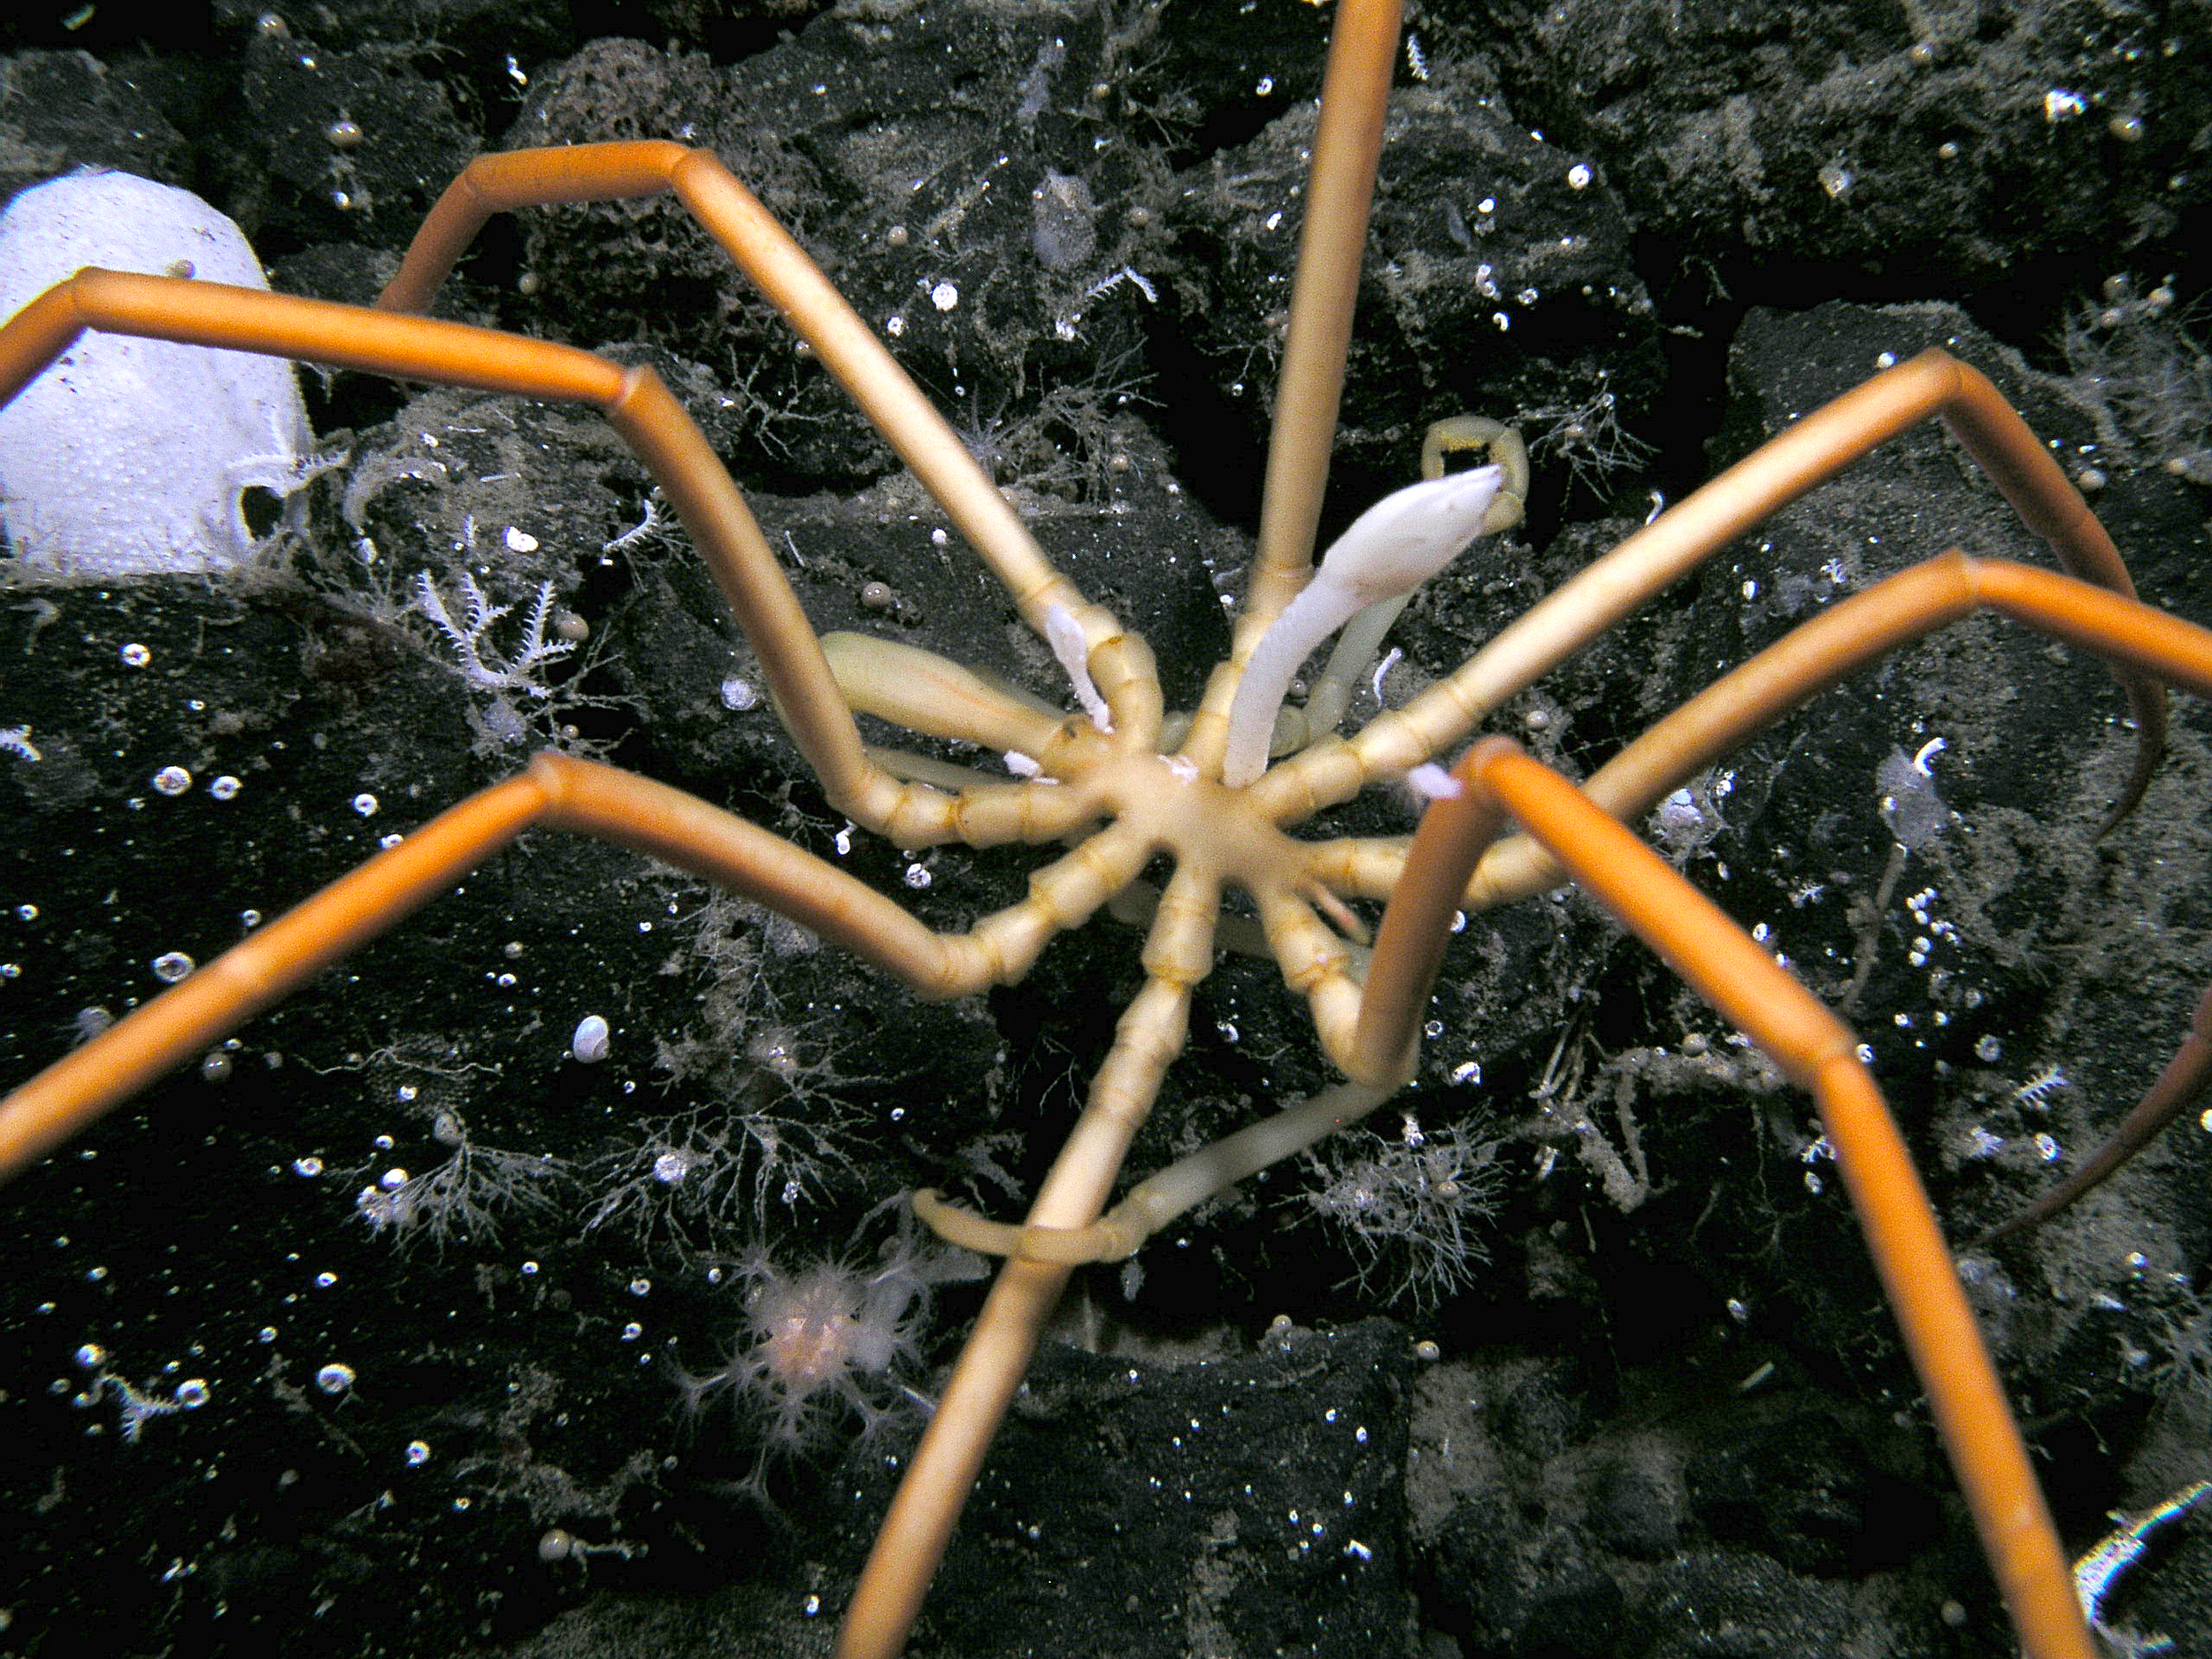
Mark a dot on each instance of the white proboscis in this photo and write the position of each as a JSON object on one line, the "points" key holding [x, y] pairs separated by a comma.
{"points": [[1391, 550]]}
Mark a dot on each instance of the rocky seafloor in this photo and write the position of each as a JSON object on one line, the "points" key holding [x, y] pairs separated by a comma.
{"points": [[1666, 1412]]}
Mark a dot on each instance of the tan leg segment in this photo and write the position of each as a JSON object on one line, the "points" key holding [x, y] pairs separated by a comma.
{"points": [[841, 338], [1847, 637], [1813, 451], [558, 792], [943, 1468], [634, 401], [1347, 144], [1817, 1051], [185, 1021], [1332, 245]]}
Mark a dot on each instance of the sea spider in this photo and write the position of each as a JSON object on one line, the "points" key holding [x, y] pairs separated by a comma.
{"points": [[1128, 786]]}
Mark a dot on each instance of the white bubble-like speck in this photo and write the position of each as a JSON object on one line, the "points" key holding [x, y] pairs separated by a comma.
{"points": [[945, 295], [418, 1454], [171, 965], [225, 787], [1578, 176], [172, 781], [366, 804], [135, 655], [739, 694], [334, 1378]]}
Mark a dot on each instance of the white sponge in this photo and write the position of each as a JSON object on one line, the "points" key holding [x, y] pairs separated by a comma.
{"points": [[132, 455]]}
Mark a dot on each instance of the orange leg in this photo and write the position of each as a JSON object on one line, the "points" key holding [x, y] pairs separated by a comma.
{"points": [[1790, 464], [2174, 1091], [558, 791], [1744, 983], [1819, 1052], [635, 401], [1850, 636], [841, 338]]}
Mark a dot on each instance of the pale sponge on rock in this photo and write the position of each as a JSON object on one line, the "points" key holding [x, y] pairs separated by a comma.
{"points": [[126, 454]]}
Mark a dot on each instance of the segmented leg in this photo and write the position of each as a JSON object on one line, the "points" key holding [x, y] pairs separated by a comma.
{"points": [[2174, 1091], [1119, 663], [1817, 1052], [942, 1471], [1814, 1048], [1698, 525], [559, 792]]}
